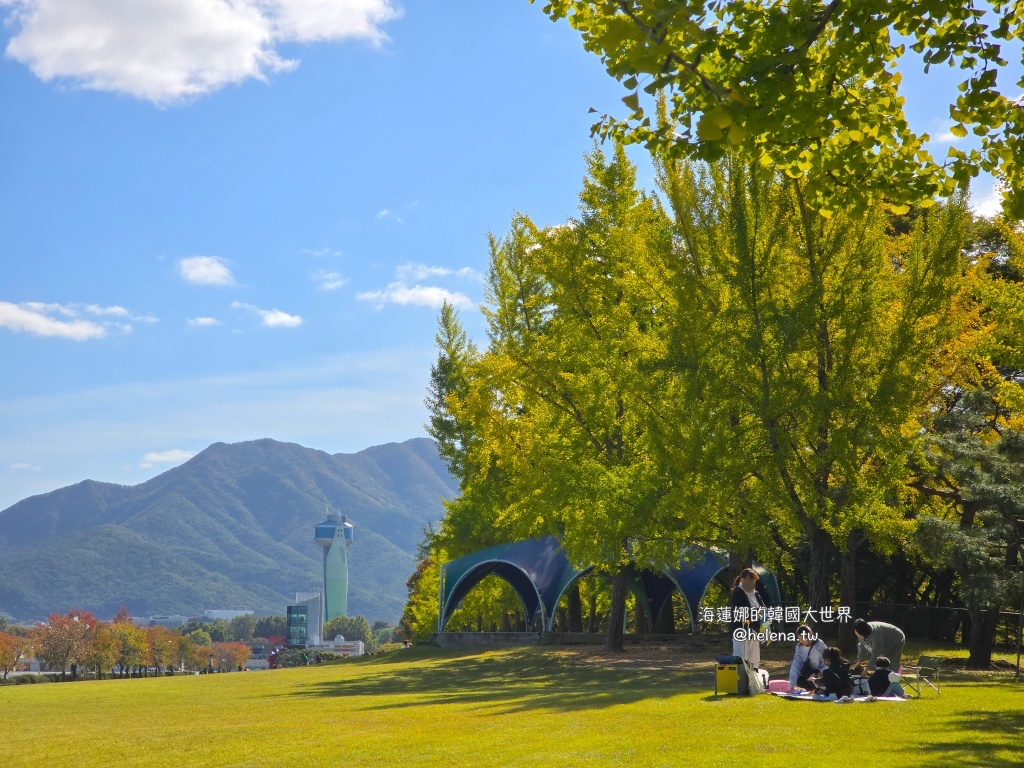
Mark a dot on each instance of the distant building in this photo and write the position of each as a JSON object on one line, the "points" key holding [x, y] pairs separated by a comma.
{"points": [[171, 622], [314, 603], [335, 537], [298, 626], [343, 646], [227, 615]]}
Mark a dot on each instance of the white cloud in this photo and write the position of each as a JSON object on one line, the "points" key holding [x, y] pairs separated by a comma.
{"points": [[386, 214], [272, 318], [401, 292], [417, 295], [321, 253], [115, 311], [202, 322], [988, 203], [205, 270], [410, 271], [49, 308], [940, 132], [330, 281], [169, 50], [35, 318], [23, 467], [331, 20], [173, 456], [66, 321]]}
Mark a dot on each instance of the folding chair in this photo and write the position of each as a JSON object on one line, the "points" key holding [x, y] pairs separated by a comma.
{"points": [[924, 672]]}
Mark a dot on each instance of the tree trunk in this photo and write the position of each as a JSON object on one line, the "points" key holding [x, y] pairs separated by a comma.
{"points": [[640, 617], [574, 620], [592, 617], [818, 591], [848, 593], [665, 624], [617, 614], [983, 635]]}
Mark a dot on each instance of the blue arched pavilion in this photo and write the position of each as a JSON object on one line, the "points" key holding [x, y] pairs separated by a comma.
{"points": [[539, 571]]}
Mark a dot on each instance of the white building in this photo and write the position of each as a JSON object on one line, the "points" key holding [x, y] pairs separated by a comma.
{"points": [[341, 645]]}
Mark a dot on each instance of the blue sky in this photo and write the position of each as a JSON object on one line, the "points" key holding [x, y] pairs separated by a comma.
{"points": [[222, 222]]}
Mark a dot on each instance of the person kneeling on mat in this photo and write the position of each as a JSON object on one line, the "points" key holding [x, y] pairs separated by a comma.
{"points": [[808, 659]]}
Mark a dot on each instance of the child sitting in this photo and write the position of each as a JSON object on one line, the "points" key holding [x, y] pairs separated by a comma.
{"points": [[883, 681], [835, 677]]}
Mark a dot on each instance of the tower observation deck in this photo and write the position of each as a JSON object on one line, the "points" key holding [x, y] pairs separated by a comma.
{"points": [[335, 536]]}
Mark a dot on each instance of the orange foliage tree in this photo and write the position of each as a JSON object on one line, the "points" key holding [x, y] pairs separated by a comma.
{"points": [[12, 648], [163, 646], [231, 655], [64, 642]]}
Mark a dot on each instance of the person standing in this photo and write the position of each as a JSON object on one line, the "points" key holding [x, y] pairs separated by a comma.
{"points": [[744, 601], [876, 638]]}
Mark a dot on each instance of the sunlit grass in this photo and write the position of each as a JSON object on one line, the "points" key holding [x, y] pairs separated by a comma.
{"points": [[544, 707]]}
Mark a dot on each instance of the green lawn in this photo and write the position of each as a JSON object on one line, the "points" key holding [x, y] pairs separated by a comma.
{"points": [[535, 707]]}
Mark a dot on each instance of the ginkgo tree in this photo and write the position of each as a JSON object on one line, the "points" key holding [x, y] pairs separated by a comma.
{"points": [[811, 348], [726, 367], [813, 89], [559, 401]]}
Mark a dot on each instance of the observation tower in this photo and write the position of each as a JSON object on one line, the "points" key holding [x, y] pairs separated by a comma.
{"points": [[335, 536]]}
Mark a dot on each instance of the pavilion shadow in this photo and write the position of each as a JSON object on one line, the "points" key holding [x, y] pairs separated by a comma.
{"points": [[517, 681]]}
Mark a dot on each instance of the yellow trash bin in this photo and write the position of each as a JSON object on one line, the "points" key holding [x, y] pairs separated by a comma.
{"points": [[730, 678]]}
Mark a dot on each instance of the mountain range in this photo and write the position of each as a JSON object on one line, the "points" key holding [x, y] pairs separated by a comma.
{"points": [[230, 528]]}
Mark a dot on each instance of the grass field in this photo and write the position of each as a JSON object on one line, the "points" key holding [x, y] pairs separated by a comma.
{"points": [[525, 707]]}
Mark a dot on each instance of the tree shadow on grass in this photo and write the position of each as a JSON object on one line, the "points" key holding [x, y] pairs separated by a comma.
{"points": [[515, 681], [992, 739]]}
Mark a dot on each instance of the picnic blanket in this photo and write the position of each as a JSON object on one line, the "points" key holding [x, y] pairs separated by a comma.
{"points": [[808, 696]]}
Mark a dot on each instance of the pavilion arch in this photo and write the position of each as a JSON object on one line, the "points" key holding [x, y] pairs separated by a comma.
{"points": [[540, 572], [537, 569]]}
